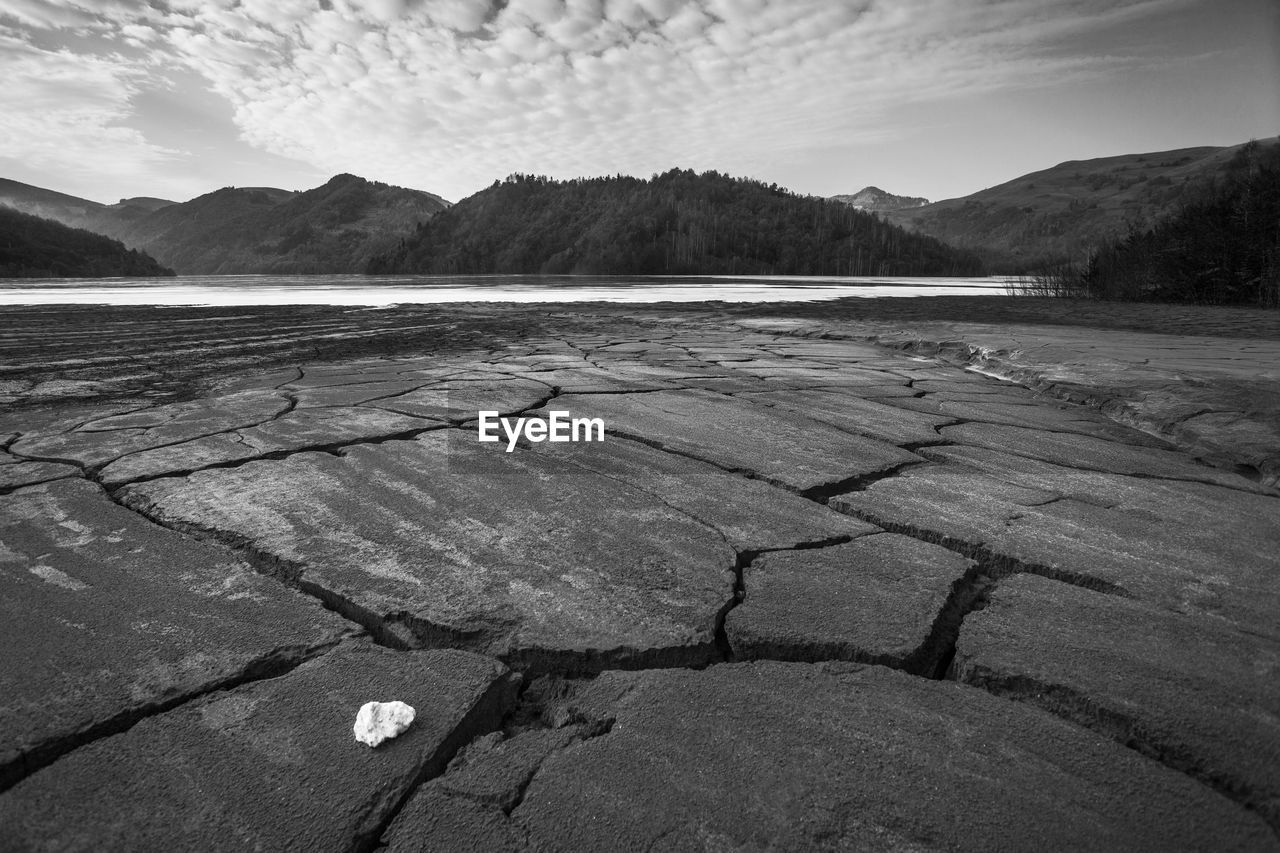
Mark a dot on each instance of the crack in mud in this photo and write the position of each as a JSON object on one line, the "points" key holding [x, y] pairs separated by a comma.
{"points": [[998, 565], [1074, 707], [485, 716], [336, 448], [824, 492], [273, 664], [501, 710], [289, 573]]}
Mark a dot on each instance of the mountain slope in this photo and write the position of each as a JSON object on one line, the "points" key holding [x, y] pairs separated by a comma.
{"points": [[49, 204], [146, 203], [1061, 213], [876, 200], [334, 228], [32, 246], [677, 222], [1221, 248], [109, 219]]}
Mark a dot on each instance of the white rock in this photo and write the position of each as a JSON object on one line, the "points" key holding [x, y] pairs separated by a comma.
{"points": [[379, 721]]}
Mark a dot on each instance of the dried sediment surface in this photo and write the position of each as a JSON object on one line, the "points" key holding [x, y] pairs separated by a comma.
{"points": [[811, 592], [1206, 379]]}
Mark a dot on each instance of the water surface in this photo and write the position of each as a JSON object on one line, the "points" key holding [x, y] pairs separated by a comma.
{"points": [[225, 290]]}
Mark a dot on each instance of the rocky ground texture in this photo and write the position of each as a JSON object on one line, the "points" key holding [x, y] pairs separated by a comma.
{"points": [[826, 584]]}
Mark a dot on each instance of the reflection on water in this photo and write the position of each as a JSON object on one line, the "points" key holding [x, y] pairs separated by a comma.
{"points": [[225, 290]]}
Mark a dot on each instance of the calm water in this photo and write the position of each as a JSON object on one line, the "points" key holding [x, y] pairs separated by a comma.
{"points": [[225, 290]]}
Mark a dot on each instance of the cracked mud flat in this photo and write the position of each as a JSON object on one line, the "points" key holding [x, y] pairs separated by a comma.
{"points": [[821, 587]]}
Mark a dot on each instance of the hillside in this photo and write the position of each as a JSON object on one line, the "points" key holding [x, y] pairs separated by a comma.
{"points": [[1063, 212], [334, 228], [1220, 248], [109, 219], [49, 204], [876, 200], [675, 223], [35, 247], [145, 203]]}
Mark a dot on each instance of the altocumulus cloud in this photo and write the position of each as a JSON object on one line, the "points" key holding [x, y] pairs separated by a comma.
{"points": [[62, 112], [449, 94]]}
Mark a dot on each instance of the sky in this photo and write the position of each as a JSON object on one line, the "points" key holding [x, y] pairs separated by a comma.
{"points": [[106, 99]]}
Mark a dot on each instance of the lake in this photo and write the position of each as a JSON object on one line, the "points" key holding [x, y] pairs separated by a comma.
{"points": [[224, 290]]}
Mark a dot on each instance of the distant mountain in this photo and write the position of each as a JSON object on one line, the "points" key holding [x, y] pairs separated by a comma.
{"points": [[334, 228], [67, 209], [678, 222], [109, 219], [33, 246], [275, 194], [1062, 213], [116, 219], [144, 203], [876, 200]]}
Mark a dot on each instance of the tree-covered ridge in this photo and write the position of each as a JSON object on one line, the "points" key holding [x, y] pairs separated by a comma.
{"points": [[1061, 214], [33, 247], [334, 228], [1221, 247], [679, 222]]}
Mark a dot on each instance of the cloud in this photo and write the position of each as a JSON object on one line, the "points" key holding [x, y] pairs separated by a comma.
{"points": [[64, 112], [449, 94], [38, 13]]}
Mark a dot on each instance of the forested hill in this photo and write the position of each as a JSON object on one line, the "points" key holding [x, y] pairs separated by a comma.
{"points": [[108, 219], [333, 228], [679, 222], [1220, 246], [33, 247], [1064, 212]]}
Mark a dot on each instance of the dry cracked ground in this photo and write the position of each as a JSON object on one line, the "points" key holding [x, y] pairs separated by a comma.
{"points": [[810, 592]]}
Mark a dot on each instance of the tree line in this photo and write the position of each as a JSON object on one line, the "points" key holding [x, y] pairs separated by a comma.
{"points": [[678, 223], [34, 247], [1220, 246]]}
